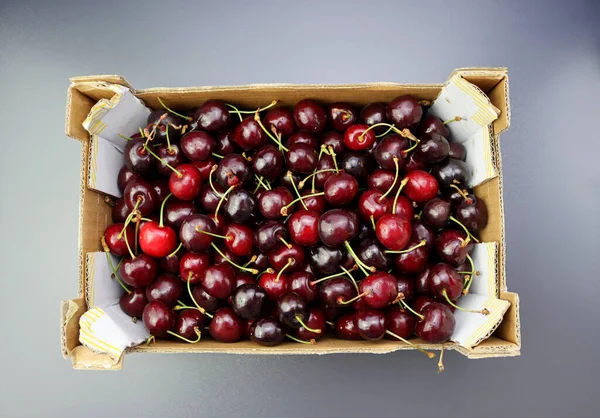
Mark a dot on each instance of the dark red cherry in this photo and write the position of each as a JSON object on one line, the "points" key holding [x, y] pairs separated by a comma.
{"points": [[274, 285], [192, 266], [433, 124], [421, 186], [406, 287], [261, 263], [414, 261], [400, 322], [268, 235], [310, 116], [438, 324], [458, 151], [208, 198], [140, 191], [157, 240], [139, 271], [170, 263], [120, 211], [248, 301], [378, 289], [242, 278], [137, 157], [372, 253], [282, 254], [372, 114], [133, 302], [414, 162], [240, 206], [325, 169], [218, 280], [372, 204], [226, 326], [340, 189], [335, 139], [176, 211], [281, 119], [116, 241], [341, 116], [337, 226], [301, 158], [433, 148], [166, 288], [452, 171], [371, 324], [345, 327], [271, 202], [331, 312], [125, 176], [404, 112], [248, 134], [190, 232], [422, 283], [267, 332], [161, 188], [422, 232], [421, 302], [302, 137], [393, 231], [204, 300], [303, 227], [162, 124], [185, 184], [169, 156], [450, 248], [268, 162], [158, 318], [326, 260], [198, 145], [382, 180], [472, 213], [292, 310], [233, 170], [358, 164], [314, 321], [390, 147], [300, 283], [336, 290], [359, 138], [316, 204], [225, 144], [239, 238], [187, 322], [437, 212], [444, 279], [212, 116], [404, 208]]}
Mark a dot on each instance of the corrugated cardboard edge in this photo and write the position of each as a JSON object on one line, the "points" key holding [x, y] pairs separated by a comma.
{"points": [[92, 88]]}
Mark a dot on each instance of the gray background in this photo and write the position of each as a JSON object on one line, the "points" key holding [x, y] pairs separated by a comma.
{"points": [[551, 197]]}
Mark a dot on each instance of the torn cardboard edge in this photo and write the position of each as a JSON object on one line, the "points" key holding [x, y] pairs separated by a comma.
{"points": [[83, 93]]}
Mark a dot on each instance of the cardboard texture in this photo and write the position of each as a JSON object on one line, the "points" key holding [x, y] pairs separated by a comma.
{"points": [[107, 106]]}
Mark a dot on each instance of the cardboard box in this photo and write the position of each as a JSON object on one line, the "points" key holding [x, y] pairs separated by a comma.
{"points": [[481, 83]]}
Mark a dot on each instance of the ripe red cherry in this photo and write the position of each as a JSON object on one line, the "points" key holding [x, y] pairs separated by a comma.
{"points": [[336, 290], [302, 137], [302, 158], [274, 285], [345, 327], [248, 134], [379, 289], [166, 288], [158, 318], [341, 116], [137, 158], [226, 326], [133, 302], [433, 148], [116, 243], [371, 324], [219, 280], [337, 226], [413, 261], [233, 170], [172, 156], [404, 208], [421, 302], [372, 204], [281, 119], [315, 321], [335, 139], [421, 186], [314, 203], [404, 112], [191, 232], [120, 211], [267, 332], [472, 213], [422, 232], [239, 239], [301, 283], [357, 138], [431, 123], [382, 180], [212, 116], [400, 322], [140, 193], [198, 145], [390, 147], [206, 301], [303, 227], [310, 116], [185, 184], [268, 162], [292, 310], [139, 271], [444, 280], [157, 240], [437, 212], [393, 231], [450, 246], [406, 287], [372, 114], [438, 324], [271, 202], [192, 266], [280, 257], [340, 189], [187, 322], [422, 282]]}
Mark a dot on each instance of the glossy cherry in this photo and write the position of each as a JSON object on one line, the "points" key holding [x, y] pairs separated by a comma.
{"points": [[268, 162], [358, 164], [433, 124], [413, 261], [378, 290], [186, 182], [140, 193], [421, 186], [326, 260], [212, 116], [157, 240], [437, 212], [393, 231], [204, 300], [198, 145], [404, 112], [472, 213], [359, 138], [444, 280], [341, 116], [125, 176], [281, 120], [137, 157], [291, 256], [275, 285], [303, 228], [292, 310], [267, 332], [337, 226], [340, 189], [372, 114], [218, 280], [438, 324], [302, 137], [233, 170], [115, 240], [241, 206], [176, 211], [406, 287], [268, 235], [120, 211], [133, 302], [336, 290], [191, 232], [272, 202], [166, 288], [346, 328], [226, 326], [187, 322], [373, 205], [301, 158], [450, 246], [139, 271], [335, 139], [249, 134], [371, 324], [315, 321], [158, 318], [301, 283], [452, 171], [310, 116], [248, 301], [192, 266], [433, 148], [391, 147], [225, 144], [372, 253]]}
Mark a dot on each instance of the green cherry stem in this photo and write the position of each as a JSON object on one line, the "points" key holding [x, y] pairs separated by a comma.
{"points": [[287, 244], [299, 340], [212, 186], [358, 261], [212, 234], [223, 196], [482, 311], [306, 327], [441, 360], [469, 235], [427, 353], [454, 119], [420, 244], [471, 274], [402, 184], [284, 210], [322, 279], [354, 299], [289, 263], [162, 209], [112, 267], [269, 134], [163, 161], [354, 267], [176, 250], [325, 170], [373, 222], [172, 111], [252, 260], [262, 182], [249, 270], [196, 330], [462, 192], [249, 112], [333, 155], [291, 177], [388, 191], [405, 306], [214, 154]]}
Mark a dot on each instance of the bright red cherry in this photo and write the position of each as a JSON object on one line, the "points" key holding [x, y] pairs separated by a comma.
{"points": [[421, 186], [185, 182], [393, 231], [359, 138], [303, 227]]}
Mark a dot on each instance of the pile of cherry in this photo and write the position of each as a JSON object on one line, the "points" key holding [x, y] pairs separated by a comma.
{"points": [[295, 223]]}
